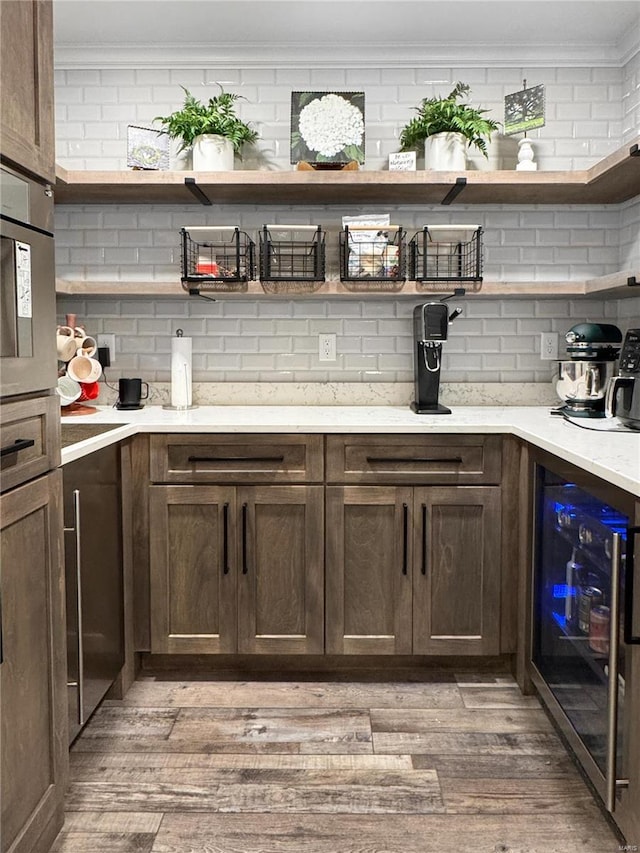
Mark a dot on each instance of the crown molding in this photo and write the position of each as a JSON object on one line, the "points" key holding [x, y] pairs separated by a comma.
{"points": [[357, 55]]}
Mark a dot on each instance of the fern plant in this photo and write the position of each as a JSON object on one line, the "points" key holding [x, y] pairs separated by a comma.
{"points": [[446, 115], [218, 116]]}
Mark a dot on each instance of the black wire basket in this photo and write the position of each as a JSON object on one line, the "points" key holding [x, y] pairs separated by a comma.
{"points": [[217, 257], [446, 253], [372, 258], [292, 253]]}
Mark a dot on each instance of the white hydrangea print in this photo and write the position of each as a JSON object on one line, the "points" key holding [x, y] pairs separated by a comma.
{"points": [[330, 123]]}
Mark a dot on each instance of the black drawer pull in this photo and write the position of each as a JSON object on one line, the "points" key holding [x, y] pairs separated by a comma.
{"points": [[245, 567], [235, 459], [407, 460], [629, 639], [405, 538], [225, 539], [18, 445]]}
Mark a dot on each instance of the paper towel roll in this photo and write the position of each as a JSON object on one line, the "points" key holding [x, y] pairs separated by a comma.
{"points": [[181, 372]]}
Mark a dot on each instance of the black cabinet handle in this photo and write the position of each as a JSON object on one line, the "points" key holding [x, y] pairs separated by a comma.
{"points": [[245, 567], [424, 539], [628, 588], [454, 460], [405, 540], [235, 459], [225, 539], [18, 445]]}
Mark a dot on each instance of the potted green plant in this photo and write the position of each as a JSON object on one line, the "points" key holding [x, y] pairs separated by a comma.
{"points": [[446, 128], [213, 129]]}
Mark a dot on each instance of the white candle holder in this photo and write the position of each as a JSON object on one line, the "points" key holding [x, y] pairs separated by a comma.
{"points": [[526, 162]]}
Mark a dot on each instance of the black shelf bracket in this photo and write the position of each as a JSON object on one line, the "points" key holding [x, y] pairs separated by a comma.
{"points": [[634, 151], [632, 281], [455, 190], [194, 189]]}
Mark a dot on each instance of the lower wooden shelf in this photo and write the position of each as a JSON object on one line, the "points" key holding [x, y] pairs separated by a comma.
{"points": [[616, 285]]}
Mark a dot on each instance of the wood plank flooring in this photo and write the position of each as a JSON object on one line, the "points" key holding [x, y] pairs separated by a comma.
{"points": [[466, 764]]}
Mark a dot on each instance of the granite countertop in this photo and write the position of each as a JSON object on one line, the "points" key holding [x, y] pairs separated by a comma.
{"points": [[613, 456]]}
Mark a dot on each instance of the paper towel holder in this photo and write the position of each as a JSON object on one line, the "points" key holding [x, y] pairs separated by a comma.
{"points": [[179, 334]]}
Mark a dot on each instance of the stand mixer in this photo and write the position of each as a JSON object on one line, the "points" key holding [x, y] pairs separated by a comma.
{"points": [[430, 328], [583, 379]]}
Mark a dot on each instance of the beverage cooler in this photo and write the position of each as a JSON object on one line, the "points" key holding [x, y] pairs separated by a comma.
{"points": [[582, 633]]}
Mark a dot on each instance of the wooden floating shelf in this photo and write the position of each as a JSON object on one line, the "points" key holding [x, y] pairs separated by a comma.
{"points": [[614, 179], [616, 286]]}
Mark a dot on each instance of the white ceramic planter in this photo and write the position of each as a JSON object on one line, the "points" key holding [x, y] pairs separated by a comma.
{"points": [[212, 153], [445, 152]]}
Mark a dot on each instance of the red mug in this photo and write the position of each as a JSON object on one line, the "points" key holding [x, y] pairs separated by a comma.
{"points": [[88, 391]]}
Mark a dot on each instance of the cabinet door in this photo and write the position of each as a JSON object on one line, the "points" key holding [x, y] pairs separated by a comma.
{"points": [[281, 569], [192, 569], [456, 591], [26, 72], [369, 557], [95, 598], [33, 724]]}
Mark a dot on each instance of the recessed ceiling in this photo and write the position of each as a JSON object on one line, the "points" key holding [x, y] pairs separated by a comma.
{"points": [[608, 29]]}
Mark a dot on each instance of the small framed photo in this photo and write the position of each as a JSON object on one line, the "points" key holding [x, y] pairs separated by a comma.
{"points": [[147, 148], [524, 110], [327, 127]]}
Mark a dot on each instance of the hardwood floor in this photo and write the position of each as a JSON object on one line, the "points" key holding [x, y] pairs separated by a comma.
{"points": [[465, 764]]}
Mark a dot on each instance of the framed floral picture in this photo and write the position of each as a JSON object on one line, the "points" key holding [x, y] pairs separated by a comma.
{"points": [[327, 127], [147, 148]]}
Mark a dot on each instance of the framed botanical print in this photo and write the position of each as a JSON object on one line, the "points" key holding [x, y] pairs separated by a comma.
{"points": [[327, 127]]}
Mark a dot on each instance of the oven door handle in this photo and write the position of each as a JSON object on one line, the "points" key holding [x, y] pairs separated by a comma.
{"points": [[629, 638]]}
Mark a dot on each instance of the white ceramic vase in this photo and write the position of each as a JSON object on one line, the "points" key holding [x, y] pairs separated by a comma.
{"points": [[212, 153], [445, 152]]}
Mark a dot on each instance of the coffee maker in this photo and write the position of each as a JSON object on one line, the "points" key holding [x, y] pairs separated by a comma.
{"points": [[430, 328], [583, 378]]}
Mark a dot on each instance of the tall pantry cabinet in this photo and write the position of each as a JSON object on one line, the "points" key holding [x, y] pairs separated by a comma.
{"points": [[33, 721]]}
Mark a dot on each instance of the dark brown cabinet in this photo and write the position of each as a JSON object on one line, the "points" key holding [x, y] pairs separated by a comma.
{"points": [[413, 568], [33, 734], [237, 569], [413, 571], [236, 565], [27, 134]]}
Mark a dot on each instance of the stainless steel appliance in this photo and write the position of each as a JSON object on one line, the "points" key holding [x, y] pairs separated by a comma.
{"points": [[430, 328], [623, 394], [94, 584], [583, 379], [27, 299], [584, 635]]}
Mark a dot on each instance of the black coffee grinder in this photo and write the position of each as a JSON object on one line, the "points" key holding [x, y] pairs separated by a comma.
{"points": [[430, 327]]}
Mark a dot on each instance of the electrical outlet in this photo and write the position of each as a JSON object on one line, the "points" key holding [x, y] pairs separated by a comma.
{"points": [[327, 347], [548, 346], [108, 341]]}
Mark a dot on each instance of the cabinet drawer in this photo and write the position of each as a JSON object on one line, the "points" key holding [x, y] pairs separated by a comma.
{"points": [[32, 427], [236, 459], [415, 460]]}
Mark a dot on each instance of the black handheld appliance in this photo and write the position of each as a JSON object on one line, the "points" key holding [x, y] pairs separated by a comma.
{"points": [[430, 328], [623, 393]]}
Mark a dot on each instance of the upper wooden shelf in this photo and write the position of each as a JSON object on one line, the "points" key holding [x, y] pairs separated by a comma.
{"points": [[614, 179]]}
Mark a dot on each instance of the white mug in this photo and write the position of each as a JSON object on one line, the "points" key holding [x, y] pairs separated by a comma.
{"points": [[84, 369], [86, 346], [68, 390], [65, 343]]}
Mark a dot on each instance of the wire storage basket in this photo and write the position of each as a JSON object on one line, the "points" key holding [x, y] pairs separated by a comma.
{"points": [[446, 253], [372, 259], [291, 258], [217, 257]]}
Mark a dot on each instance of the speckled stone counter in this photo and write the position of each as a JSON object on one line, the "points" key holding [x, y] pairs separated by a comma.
{"points": [[613, 456]]}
